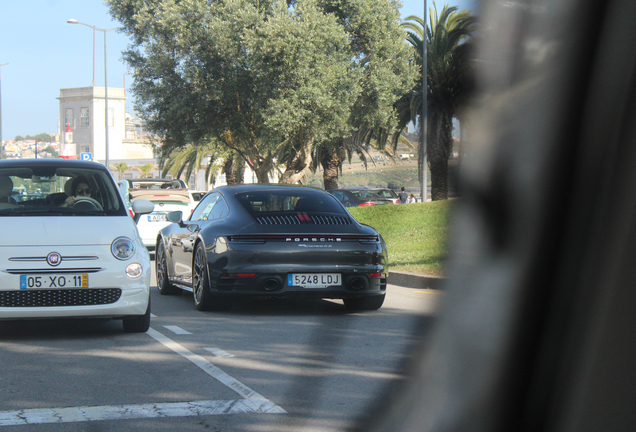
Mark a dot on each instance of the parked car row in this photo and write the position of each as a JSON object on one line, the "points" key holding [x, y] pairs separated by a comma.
{"points": [[364, 196]]}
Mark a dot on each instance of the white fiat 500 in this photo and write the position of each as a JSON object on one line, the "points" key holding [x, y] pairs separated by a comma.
{"points": [[70, 250]]}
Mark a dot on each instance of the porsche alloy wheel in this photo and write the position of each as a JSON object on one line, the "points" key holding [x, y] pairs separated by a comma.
{"points": [[200, 280], [161, 268]]}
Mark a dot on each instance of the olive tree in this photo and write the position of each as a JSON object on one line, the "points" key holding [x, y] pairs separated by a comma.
{"points": [[263, 79]]}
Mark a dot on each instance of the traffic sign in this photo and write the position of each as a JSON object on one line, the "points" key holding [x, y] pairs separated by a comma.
{"points": [[86, 156]]}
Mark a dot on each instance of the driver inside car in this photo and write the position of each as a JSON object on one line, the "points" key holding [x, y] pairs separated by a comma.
{"points": [[79, 188]]}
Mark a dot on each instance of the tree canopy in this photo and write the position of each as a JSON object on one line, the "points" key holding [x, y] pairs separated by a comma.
{"points": [[268, 80], [256, 76], [41, 137]]}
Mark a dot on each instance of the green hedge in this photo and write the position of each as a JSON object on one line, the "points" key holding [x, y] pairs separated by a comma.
{"points": [[415, 234]]}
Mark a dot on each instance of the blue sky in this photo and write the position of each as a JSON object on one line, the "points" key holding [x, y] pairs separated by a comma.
{"points": [[46, 54]]}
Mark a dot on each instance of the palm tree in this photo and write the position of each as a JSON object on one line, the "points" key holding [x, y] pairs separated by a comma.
{"points": [[448, 83], [145, 169], [121, 168], [190, 159]]}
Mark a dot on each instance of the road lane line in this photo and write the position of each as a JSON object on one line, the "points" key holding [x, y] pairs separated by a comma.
{"points": [[428, 291], [219, 352], [177, 330], [135, 411], [253, 402], [240, 388]]}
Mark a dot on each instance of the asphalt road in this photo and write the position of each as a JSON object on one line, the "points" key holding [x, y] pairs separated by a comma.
{"points": [[263, 366]]}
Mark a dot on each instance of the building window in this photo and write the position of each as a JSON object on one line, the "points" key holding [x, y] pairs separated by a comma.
{"points": [[68, 117], [85, 149], [111, 117], [84, 121]]}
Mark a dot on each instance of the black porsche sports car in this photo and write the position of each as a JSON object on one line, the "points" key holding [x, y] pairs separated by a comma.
{"points": [[271, 241]]}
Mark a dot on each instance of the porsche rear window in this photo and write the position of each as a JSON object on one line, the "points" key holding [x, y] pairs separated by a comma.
{"points": [[259, 202]]}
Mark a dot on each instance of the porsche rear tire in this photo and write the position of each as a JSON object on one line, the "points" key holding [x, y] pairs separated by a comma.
{"points": [[201, 280], [364, 303], [204, 300]]}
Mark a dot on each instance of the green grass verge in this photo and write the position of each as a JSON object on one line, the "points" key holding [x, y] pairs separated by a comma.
{"points": [[415, 234]]}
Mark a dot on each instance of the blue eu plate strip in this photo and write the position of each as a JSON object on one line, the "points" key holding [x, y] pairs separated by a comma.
{"points": [[23, 282]]}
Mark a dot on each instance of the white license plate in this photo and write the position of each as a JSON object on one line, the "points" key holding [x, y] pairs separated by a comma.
{"points": [[157, 218], [53, 281], [314, 280]]}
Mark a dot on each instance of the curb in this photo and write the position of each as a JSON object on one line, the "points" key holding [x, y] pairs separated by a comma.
{"points": [[415, 280]]}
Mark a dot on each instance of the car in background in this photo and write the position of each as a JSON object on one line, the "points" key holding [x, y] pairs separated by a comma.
{"points": [[271, 241], [359, 197], [195, 197], [154, 183], [165, 201], [84, 260], [387, 193]]}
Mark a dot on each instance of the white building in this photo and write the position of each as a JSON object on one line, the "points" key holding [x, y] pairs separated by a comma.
{"points": [[83, 108]]}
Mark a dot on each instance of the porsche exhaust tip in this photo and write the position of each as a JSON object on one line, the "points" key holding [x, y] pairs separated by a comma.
{"points": [[357, 284], [271, 284]]}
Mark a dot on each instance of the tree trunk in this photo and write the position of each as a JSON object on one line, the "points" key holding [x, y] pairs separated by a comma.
{"points": [[229, 169], [296, 169], [330, 164], [262, 167], [293, 175], [439, 146], [262, 174]]}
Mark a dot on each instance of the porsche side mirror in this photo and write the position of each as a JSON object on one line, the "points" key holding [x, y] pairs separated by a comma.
{"points": [[176, 217]]}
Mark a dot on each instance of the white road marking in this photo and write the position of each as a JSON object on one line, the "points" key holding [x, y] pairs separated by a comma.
{"points": [[253, 402], [135, 411], [219, 352], [213, 371], [177, 330], [152, 315]]}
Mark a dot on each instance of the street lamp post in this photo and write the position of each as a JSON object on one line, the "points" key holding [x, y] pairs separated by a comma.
{"points": [[1, 145], [73, 21], [423, 122]]}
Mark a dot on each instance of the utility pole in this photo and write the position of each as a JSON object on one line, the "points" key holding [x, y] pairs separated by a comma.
{"points": [[1, 143], [106, 141], [423, 164]]}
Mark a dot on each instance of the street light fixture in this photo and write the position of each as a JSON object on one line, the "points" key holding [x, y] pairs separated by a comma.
{"points": [[73, 21]]}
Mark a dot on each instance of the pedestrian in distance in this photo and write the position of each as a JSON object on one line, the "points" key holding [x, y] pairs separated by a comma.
{"points": [[412, 199], [403, 196]]}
